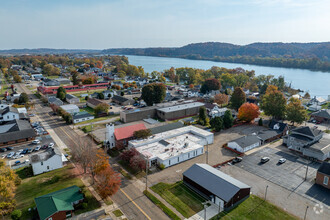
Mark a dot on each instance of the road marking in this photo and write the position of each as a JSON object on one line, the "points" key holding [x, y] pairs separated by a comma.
{"points": [[135, 204]]}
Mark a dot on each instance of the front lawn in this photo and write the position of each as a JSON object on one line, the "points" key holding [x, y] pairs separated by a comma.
{"points": [[180, 197], [42, 184], [98, 119], [255, 208]]}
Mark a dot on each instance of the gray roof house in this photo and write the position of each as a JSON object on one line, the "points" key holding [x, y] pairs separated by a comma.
{"points": [[120, 100], [322, 116], [54, 100], [215, 185], [16, 131], [245, 143], [81, 116], [72, 99]]}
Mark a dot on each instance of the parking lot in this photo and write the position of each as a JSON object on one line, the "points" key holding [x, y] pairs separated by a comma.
{"points": [[290, 175]]}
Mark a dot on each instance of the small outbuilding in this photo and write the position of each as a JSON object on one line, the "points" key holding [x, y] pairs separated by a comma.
{"points": [[245, 143], [216, 186]]}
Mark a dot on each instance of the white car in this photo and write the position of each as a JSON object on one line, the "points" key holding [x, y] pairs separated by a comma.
{"points": [[18, 156], [35, 142], [51, 145], [3, 156], [282, 160]]}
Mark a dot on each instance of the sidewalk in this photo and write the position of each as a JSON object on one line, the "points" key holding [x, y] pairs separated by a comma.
{"points": [[211, 211]]}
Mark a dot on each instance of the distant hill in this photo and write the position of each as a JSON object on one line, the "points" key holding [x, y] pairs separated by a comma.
{"points": [[46, 51], [211, 49], [315, 56]]}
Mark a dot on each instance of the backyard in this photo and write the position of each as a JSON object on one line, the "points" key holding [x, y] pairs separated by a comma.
{"points": [[257, 209], [32, 187], [183, 199]]}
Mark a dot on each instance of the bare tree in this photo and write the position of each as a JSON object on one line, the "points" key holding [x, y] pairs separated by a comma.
{"points": [[83, 152]]}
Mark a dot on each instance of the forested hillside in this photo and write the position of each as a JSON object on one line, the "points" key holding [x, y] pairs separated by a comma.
{"points": [[315, 56]]}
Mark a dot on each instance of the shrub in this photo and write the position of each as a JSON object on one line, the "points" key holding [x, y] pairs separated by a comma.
{"points": [[161, 166], [260, 122], [16, 214]]}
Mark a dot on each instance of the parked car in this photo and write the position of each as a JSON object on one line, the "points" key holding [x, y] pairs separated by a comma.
{"points": [[51, 145], [10, 155], [35, 142], [265, 159], [37, 148], [282, 160], [3, 149], [237, 159], [17, 162], [32, 115], [25, 151], [18, 156], [3, 156], [9, 148], [29, 151], [45, 146], [20, 151]]}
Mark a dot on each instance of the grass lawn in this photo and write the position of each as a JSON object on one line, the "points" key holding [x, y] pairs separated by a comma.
{"points": [[42, 184], [52, 77], [255, 209], [180, 197], [88, 109], [117, 213], [97, 119]]}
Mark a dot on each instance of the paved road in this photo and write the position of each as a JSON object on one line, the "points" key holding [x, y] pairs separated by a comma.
{"points": [[129, 198]]}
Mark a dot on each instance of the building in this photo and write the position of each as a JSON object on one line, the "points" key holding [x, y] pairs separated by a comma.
{"points": [[121, 100], [276, 130], [72, 88], [71, 109], [16, 131], [322, 115], [46, 161], [59, 205], [174, 146], [179, 111], [63, 81], [8, 114], [310, 142], [218, 112], [50, 82], [3, 105], [72, 99], [108, 94], [81, 116], [317, 101], [167, 127], [92, 102], [245, 143], [119, 137], [216, 186], [323, 175], [55, 101], [138, 114]]}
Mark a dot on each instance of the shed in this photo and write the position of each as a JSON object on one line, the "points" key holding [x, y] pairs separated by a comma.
{"points": [[245, 143]]}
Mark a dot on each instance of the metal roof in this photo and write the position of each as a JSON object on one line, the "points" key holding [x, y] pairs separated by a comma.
{"points": [[166, 127], [324, 168], [181, 107], [215, 181], [246, 141]]}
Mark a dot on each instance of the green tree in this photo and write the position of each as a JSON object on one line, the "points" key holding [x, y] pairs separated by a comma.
{"points": [[142, 133], [238, 98], [67, 118], [23, 98], [228, 119], [202, 116], [216, 123], [75, 77], [153, 93], [295, 112], [147, 94], [102, 107], [17, 78], [101, 95], [61, 93], [273, 102], [16, 214], [210, 84]]}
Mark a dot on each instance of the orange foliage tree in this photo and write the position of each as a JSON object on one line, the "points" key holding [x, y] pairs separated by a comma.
{"points": [[248, 112], [108, 182], [221, 99]]}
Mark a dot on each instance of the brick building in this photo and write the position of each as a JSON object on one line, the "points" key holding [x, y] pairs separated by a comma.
{"points": [[323, 175]]}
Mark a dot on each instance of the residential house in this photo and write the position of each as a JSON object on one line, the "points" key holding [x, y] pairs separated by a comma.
{"points": [[121, 100], [72, 99], [63, 81], [16, 131], [317, 101], [12, 97], [50, 82], [310, 142], [8, 114], [92, 102], [276, 130], [46, 161], [322, 115], [171, 147], [81, 116], [3, 105], [245, 143], [314, 107], [71, 109], [60, 204], [55, 101], [216, 186], [119, 137], [108, 94], [323, 175]]}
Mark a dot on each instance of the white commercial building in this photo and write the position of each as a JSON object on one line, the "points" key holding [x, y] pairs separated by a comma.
{"points": [[71, 109], [174, 146], [43, 162]]}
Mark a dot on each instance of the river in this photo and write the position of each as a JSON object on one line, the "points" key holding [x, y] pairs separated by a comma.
{"points": [[315, 82]]}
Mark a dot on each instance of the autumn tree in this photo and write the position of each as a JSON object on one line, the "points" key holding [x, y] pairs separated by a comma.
{"points": [[82, 152], [8, 182], [217, 124], [102, 107], [137, 163], [228, 119], [248, 112], [307, 96], [144, 133], [295, 112], [17, 78], [237, 98], [221, 99], [210, 84], [273, 102], [126, 155], [53, 107], [108, 182]]}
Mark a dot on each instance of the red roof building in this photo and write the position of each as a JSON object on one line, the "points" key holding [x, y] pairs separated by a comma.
{"points": [[125, 134]]}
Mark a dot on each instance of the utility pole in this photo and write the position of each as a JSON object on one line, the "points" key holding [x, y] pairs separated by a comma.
{"points": [[306, 172], [207, 154], [305, 213], [204, 210], [266, 192]]}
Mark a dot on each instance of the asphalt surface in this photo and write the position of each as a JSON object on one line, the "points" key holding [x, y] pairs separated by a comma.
{"points": [[129, 198], [290, 175]]}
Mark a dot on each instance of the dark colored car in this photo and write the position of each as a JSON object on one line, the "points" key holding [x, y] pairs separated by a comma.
{"points": [[237, 159], [9, 148], [25, 151], [29, 150], [3, 149], [45, 146]]}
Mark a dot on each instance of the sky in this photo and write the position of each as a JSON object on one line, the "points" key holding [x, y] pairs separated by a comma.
{"points": [[101, 24]]}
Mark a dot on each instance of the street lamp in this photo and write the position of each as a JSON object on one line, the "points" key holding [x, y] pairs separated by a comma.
{"points": [[305, 212], [147, 163], [266, 192]]}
